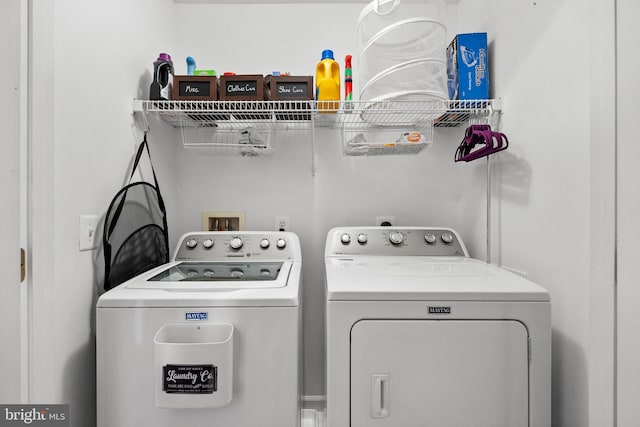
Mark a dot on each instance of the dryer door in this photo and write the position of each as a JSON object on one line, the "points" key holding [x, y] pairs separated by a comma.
{"points": [[454, 373]]}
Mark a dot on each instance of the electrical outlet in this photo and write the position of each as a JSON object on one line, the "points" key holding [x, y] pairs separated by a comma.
{"points": [[282, 223], [87, 229], [385, 220]]}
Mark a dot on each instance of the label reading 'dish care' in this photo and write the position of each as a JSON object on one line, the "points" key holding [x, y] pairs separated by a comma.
{"points": [[190, 379]]}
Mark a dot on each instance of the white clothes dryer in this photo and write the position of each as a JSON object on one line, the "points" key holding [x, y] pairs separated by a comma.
{"points": [[419, 334], [211, 338]]}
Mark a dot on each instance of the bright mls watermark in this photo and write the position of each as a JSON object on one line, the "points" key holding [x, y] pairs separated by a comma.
{"points": [[36, 415]]}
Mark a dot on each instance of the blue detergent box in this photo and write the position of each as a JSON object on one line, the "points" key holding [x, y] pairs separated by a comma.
{"points": [[467, 67]]}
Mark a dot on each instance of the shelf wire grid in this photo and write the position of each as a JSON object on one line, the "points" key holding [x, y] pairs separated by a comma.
{"points": [[233, 114], [304, 114], [368, 127]]}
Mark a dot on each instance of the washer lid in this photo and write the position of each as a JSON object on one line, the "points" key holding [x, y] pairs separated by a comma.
{"points": [[211, 284], [379, 278], [217, 276]]}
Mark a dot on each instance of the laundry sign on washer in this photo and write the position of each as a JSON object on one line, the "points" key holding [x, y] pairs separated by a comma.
{"points": [[192, 379]]}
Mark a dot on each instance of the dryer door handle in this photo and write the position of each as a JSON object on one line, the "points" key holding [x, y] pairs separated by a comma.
{"points": [[380, 396]]}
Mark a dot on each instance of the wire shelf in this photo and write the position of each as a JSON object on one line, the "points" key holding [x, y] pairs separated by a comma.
{"points": [[368, 127], [304, 114]]}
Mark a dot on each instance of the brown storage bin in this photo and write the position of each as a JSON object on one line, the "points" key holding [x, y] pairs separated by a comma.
{"points": [[289, 88], [248, 87]]}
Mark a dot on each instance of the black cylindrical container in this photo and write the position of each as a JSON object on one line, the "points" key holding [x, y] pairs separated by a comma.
{"points": [[162, 78]]}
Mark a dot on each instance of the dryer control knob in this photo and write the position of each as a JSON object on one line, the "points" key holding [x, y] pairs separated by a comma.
{"points": [[345, 239], [281, 243], [236, 243], [191, 243], [447, 237], [430, 238], [396, 238], [208, 244], [362, 238], [264, 243]]}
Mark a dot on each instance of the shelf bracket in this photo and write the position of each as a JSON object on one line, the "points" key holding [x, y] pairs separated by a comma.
{"points": [[138, 106]]}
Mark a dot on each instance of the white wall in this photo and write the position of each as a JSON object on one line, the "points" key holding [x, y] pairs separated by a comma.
{"points": [[628, 213], [543, 193], [601, 346], [541, 57], [90, 59], [12, 93]]}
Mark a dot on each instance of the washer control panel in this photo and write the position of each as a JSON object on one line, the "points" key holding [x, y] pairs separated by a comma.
{"points": [[223, 245], [391, 241]]}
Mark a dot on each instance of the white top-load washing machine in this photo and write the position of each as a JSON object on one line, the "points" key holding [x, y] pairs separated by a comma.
{"points": [[419, 334], [210, 339]]}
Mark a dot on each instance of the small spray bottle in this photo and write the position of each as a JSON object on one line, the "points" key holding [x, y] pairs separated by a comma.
{"points": [[348, 83], [191, 66]]}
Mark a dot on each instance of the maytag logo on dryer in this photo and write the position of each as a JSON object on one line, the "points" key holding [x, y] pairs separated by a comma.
{"points": [[440, 310], [198, 315]]}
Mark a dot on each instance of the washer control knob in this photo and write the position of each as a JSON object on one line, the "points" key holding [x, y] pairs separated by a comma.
{"points": [[236, 243], [281, 243], [264, 243], [447, 237], [208, 243], [345, 239], [430, 238], [362, 238], [191, 243], [396, 238]]}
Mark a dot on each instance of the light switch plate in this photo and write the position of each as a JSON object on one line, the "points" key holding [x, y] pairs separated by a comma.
{"points": [[87, 230]]}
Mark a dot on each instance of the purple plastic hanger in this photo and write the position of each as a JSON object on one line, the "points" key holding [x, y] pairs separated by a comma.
{"points": [[480, 141]]}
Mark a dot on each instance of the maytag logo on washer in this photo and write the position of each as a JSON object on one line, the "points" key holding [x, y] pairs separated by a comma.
{"points": [[39, 415], [199, 315], [439, 310]]}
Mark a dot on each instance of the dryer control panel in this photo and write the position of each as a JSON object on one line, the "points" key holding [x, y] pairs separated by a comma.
{"points": [[394, 241], [225, 245]]}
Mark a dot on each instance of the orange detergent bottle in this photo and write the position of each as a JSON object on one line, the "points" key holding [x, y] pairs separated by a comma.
{"points": [[328, 83]]}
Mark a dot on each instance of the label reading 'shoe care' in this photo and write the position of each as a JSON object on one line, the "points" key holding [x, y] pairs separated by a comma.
{"points": [[293, 88]]}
